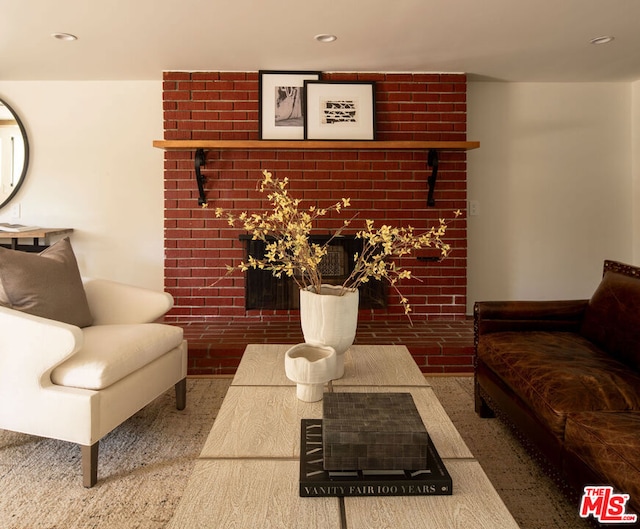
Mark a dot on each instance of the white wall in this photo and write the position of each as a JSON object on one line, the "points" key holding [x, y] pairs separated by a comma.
{"points": [[553, 178], [635, 147], [92, 168]]}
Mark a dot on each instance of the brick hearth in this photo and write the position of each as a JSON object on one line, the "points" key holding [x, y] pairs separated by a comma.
{"points": [[444, 347]]}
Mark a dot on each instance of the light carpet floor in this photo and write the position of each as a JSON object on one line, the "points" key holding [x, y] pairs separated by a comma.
{"points": [[145, 464], [143, 468]]}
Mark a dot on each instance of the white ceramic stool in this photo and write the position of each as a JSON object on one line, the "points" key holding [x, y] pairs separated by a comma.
{"points": [[310, 367]]}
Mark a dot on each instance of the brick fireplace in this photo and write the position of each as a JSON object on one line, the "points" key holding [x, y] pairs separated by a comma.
{"points": [[386, 186]]}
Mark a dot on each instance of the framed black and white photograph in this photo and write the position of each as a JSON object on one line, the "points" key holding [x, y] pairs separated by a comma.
{"points": [[281, 113], [339, 110]]}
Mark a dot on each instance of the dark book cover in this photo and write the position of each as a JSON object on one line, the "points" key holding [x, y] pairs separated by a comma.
{"points": [[315, 481]]}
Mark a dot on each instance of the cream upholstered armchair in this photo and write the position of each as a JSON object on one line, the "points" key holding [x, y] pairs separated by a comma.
{"points": [[80, 356]]}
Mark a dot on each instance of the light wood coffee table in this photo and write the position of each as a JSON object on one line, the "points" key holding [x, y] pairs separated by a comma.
{"points": [[248, 472]]}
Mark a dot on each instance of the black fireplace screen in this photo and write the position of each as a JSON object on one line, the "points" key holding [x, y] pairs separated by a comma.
{"points": [[264, 291]]}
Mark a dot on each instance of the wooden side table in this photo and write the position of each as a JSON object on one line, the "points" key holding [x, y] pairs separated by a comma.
{"points": [[36, 237]]}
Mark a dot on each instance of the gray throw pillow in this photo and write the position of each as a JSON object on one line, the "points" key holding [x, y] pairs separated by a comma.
{"points": [[47, 284]]}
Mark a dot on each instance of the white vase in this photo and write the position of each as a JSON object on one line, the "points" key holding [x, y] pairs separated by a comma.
{"points": [[310, 367], [330, 319]]}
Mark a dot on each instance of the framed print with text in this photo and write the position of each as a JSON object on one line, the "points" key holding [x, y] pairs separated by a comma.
{"points": [[339, 110], [281, 112]]}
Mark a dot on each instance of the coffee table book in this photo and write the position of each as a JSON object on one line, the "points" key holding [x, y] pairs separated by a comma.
{"points": [[315, 481]]}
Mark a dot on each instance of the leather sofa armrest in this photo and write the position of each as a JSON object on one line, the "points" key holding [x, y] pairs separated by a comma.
{"points": [[498, 316]]}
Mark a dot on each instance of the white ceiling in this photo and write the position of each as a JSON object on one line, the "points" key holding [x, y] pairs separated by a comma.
{"points": [[511, 40]]}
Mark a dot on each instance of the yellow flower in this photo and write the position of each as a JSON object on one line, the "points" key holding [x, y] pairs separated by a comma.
{"points": [[288, 249]]}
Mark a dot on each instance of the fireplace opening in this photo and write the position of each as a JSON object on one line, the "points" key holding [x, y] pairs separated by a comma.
{"points": [[265, 291]]}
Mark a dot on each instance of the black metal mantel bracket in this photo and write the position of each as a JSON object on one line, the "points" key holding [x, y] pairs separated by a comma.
{"points": [[200, 159], [432, 161]]}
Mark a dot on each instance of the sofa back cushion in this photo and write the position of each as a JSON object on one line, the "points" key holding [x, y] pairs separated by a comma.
{"points": [[47, 284], [612, 317]]}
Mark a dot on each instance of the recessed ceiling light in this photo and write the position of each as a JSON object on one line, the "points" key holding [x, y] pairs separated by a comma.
{"points": [[605, 39], [325, 37], [64, 36]]}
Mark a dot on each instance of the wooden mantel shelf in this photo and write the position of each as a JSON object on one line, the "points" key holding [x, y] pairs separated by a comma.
{"points": [[200, 146], [189, 145]]}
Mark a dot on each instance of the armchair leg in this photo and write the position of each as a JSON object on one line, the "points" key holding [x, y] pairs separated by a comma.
{"points": [[181, 394], [89, 464]]}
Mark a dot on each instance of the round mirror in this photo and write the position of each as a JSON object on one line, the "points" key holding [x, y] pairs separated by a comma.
{"points": [[14, 153]]}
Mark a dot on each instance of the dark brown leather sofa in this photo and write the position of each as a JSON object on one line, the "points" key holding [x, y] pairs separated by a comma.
{"points": [[566, 375]]}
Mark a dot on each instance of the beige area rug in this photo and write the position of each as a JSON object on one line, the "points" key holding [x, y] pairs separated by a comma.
{"points": [[143, 468], [145, 464]]}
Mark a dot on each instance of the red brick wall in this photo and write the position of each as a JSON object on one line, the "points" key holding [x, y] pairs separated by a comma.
{"points": [[387, 186]]}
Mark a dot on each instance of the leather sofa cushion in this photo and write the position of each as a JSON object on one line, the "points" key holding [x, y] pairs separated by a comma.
{"points": [[612, 317], [111, 352], [557, 373], [609, 443]]}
